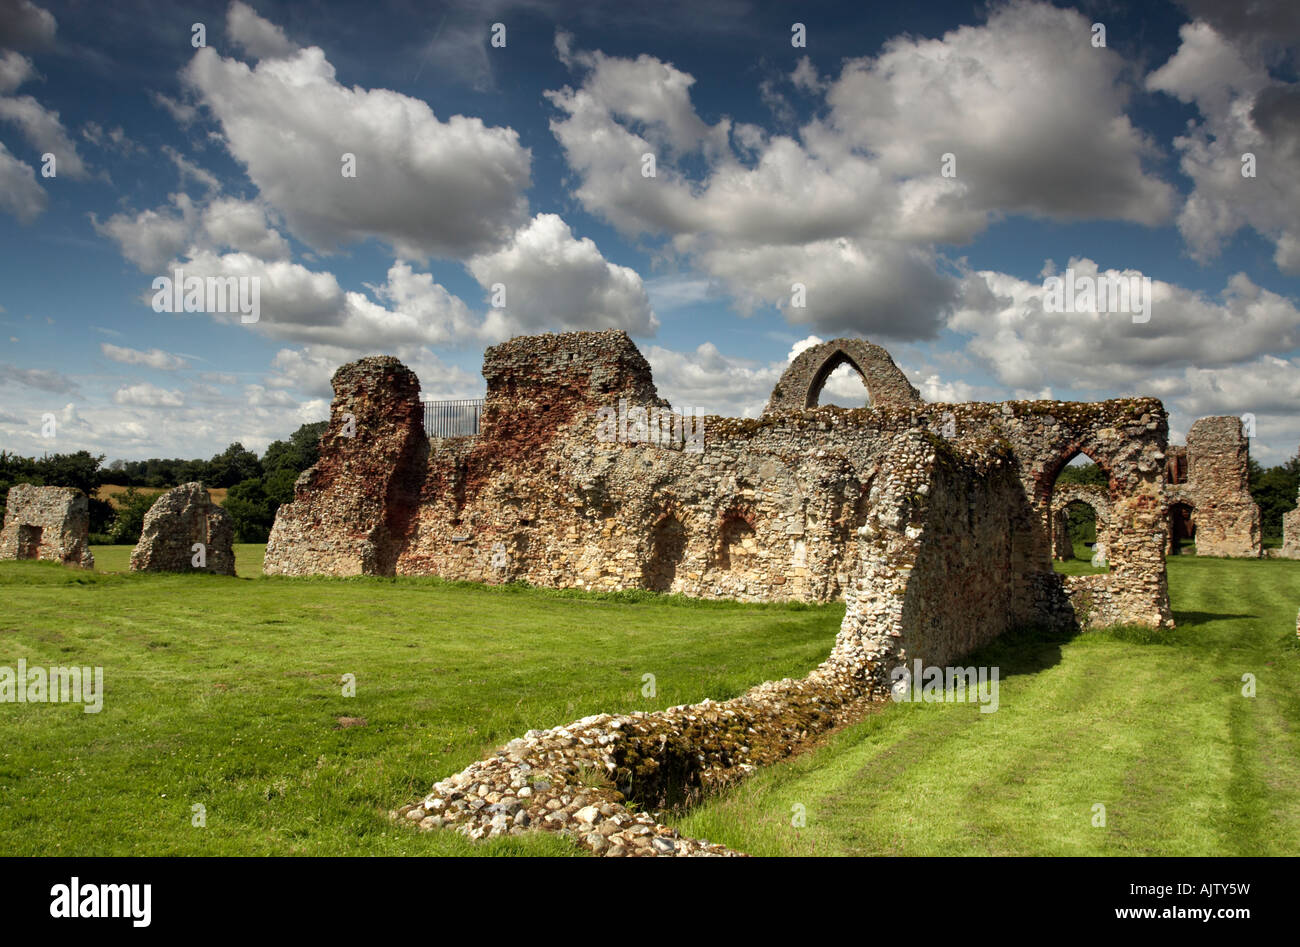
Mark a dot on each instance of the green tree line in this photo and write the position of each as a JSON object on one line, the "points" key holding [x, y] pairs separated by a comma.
{"points": [[1274, 490], [255, 486]]}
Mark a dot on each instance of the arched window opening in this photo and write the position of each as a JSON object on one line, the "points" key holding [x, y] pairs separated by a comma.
{"points": [[1076, 538], [839, 382]]}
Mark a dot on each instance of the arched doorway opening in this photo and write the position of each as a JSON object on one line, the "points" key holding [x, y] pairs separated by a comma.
{"points": [[1078, 506], [1075, 534]]}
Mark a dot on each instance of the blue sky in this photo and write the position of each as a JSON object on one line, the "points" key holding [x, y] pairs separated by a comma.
{"points": [[521, 165]]}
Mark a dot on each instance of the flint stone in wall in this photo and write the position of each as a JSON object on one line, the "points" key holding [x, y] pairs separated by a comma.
{"points": [[50, 523], [178, 519]]}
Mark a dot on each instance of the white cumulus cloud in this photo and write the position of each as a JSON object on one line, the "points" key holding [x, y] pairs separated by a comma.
{"points": [[424, 185]]}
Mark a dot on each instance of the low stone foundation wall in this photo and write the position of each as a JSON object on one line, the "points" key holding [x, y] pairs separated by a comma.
{"points": [[577, 779]]}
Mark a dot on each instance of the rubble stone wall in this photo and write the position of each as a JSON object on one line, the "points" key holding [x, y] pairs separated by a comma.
{"points": [[1218, 491], [351, 511], [178, 519], [933, 511], [1291, 533], [565, 488], [51, 523]]}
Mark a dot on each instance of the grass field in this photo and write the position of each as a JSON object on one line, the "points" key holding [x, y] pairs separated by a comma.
{"points": [[226, 693], [248, 559], [1081, 564], [1153, 726]]}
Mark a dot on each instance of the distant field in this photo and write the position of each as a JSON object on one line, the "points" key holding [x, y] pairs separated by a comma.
{"points": [[248, 559], [111, 492]]}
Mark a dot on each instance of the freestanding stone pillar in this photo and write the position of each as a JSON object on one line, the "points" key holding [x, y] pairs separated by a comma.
{"points": [[178, 520], [1218, 489], [350, 512]]}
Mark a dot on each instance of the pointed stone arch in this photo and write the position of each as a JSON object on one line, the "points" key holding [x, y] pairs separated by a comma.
{"points": [[802, 383], [834, 360], [1096, 498]]}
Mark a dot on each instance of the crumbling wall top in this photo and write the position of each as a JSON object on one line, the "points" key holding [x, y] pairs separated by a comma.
{"points": [[556, 377], [1218, 453]]}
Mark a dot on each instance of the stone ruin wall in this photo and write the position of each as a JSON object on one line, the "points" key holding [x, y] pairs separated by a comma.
{"points": [[177, 520], [351, 510], [542, 779], [769, 510], [1291, 537], [1126, 438], [937, 544], [929, 572], [49, 523], [1217, 488]]}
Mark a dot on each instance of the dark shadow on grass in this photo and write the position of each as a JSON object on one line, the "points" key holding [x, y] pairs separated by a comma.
{"points": [[1026, 650], [1032, 649], [1192, 619]]}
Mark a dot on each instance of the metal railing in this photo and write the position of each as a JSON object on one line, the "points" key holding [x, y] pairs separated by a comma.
{"points": [[453, 418]]}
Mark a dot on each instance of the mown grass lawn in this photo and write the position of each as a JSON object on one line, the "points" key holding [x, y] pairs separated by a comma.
{"points": [[248, 559], [1081, 564], [226, 692], [1152, 726]]}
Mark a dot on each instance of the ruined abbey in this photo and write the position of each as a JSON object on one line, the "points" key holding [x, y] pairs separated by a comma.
{"points": [[935, 523]]}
